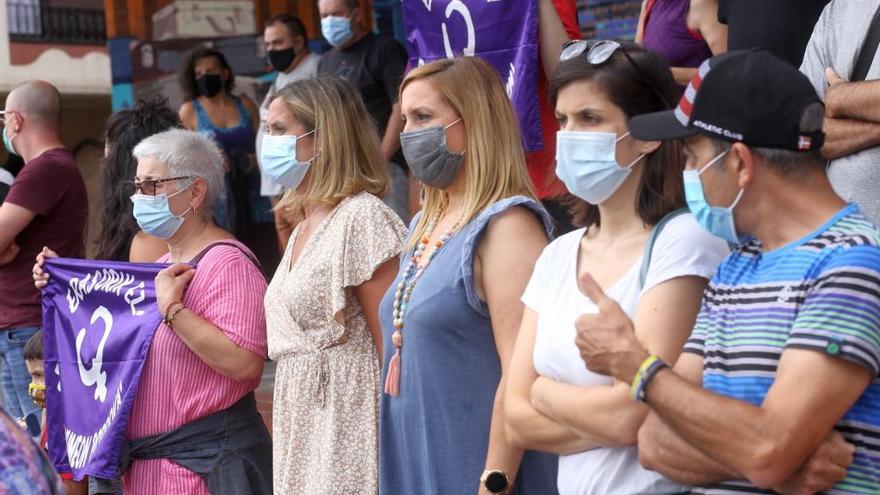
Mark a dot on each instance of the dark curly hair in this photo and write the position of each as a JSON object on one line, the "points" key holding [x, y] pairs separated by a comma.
{"points": [[125, 129], [187, 73]]}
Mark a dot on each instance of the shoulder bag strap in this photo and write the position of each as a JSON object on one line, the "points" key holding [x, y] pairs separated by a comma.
{"points": [[869, 49], [203, 252], [649, 245]]}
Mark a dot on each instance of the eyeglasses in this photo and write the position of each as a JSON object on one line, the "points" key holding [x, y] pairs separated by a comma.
{"points": [[149, 186], [600, 51]]}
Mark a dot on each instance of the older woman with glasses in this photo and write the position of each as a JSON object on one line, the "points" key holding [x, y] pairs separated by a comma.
{"points": [[204, 364]]}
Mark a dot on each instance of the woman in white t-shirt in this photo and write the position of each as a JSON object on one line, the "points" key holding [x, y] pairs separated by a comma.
{"points": [[553, 403]]}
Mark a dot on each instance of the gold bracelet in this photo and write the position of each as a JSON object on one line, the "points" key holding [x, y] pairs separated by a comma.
{"points": [[172, 315]]}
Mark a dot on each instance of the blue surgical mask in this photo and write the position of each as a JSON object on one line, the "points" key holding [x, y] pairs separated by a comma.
{"points": [[717, 220], [586, 162], [278, 159], [7, 142], [336, 30], [154, 216]]}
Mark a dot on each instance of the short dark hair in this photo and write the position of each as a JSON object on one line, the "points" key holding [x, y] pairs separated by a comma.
{"points": [[125, 129], [293, 24], [642, 84], [33, 349], [187, 76]]}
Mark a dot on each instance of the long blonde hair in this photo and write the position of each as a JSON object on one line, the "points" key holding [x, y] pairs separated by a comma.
{"points": [[494, 160], [348, 159]]}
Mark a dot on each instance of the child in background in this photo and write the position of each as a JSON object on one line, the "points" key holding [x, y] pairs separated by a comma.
{"points": [[33, 359]]}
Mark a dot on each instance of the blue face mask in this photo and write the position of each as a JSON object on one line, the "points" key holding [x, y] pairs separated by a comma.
{"points": [[278, 159], [336, 30], [586, 162], [154, 216], [7, 141], [717, 220]]}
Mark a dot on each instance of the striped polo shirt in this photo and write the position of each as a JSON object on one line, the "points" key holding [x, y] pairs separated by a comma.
{"points": [[820, 293]]}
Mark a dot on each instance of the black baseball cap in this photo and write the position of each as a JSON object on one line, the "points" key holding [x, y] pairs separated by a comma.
{"points": [[748, 96]]}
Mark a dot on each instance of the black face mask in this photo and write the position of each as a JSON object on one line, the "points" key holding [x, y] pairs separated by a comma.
{"points": [[281, 59], [209, 84]]}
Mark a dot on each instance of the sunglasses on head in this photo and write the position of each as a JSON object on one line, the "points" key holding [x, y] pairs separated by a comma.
{"points": [[597, 52]]}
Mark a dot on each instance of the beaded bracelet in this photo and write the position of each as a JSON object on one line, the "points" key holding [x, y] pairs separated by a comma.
{"points": [[172, 315], [647, 371], [165, 319]]}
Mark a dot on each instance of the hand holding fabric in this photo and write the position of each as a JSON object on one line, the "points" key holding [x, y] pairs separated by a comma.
{"points": [[171, 283], [41, 278]]}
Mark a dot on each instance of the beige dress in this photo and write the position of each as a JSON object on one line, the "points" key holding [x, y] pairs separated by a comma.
{"points": [[326, 405]]}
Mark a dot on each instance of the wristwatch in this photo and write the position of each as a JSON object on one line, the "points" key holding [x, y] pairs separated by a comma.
{"points": [[495, 481]]}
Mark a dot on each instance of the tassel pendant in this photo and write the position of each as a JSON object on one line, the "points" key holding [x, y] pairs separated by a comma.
{"points": [[392, 380]]}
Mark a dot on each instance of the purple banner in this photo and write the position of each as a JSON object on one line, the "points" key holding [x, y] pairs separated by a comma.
{"points": [[98, 320], [502, 32]]}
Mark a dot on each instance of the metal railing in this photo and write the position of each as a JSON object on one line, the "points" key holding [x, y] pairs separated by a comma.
{"points": [[30, 21]]}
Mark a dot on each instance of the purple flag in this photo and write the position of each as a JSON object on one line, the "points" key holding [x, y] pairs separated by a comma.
{"points": [[502, 32], [98, 320]]}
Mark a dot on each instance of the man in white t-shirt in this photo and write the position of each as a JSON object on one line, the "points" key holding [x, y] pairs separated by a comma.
{"points": [[287, 50]]}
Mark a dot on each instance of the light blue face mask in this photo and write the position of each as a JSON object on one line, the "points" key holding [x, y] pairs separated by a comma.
{"points": [[586, 163], [278, 159], [336, 30], [153, 214], [7, 142], [717, 220]]}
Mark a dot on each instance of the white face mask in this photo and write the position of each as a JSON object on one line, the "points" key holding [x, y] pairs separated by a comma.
{"points": [[278, 159], [586, 162]]}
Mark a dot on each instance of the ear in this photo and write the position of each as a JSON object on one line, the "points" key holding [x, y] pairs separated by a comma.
{"points": [[299, 43], [198, 193], [744, 164], [357, 17], [225, 75], [648, 147]]}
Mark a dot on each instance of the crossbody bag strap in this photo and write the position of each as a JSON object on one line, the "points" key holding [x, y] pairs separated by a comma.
{"points": [[211, 246], [868, 51], [652, 238]]}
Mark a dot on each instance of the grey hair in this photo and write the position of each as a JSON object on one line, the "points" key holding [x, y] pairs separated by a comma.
{"points": [[791, 163], [187, 154]]}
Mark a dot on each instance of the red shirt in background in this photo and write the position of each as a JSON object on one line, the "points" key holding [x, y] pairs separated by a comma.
{"points": [[542, 164], [51, 186]]}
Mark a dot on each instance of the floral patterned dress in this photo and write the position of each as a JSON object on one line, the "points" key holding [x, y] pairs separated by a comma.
{"points": [[326, 403]]}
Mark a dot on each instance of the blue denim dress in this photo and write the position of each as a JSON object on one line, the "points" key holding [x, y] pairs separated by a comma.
{"points": [[434, 436]]}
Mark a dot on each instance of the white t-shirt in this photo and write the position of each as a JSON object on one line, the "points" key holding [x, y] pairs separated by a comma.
{"points": [[683, 248], [307, 69]]}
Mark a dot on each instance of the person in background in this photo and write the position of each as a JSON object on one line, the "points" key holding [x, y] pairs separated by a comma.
{"points": [[451, 317], [33, 358], [557, 24], [776, 390], [207, 355], [852, 108], [374, 64], [781, 27], [46, 205], [24, 467], [232, 122], [121, 239], [628, 189], [287, 50], [683, 32], [322, 304]]}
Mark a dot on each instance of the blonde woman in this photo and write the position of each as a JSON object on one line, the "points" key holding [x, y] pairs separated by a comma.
{"points": [[322, 304], [450, 320]]}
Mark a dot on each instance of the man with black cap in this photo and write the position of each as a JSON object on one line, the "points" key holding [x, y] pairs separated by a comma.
{"points": [[777, 389]]}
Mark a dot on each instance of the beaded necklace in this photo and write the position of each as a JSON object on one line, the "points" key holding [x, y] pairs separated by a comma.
{"points": [[411, 275]]}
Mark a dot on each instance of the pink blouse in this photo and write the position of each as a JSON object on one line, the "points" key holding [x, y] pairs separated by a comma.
{"points": [[176, 387]]}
